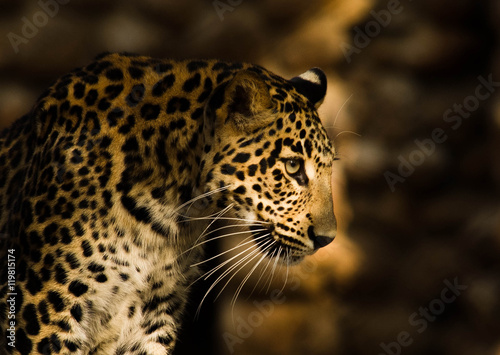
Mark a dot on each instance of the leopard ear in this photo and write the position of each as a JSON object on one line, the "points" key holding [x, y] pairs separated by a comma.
{"points": [[244, 102], [311, 84]]}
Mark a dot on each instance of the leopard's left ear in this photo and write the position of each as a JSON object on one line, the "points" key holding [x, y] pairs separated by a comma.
{"points": [[244, 103], [311, 84]]}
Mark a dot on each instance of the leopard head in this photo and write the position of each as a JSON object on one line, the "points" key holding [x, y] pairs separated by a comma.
{"points": [[269, 159]]}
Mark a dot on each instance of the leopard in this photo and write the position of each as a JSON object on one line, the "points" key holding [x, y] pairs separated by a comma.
{"points": [[111, 184]]}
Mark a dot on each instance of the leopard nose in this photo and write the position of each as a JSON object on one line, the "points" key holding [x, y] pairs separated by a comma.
{"points": [[322, 241], [319, 241]]}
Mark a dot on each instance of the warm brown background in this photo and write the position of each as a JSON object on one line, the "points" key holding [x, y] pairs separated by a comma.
{"points": [[395, 249]]}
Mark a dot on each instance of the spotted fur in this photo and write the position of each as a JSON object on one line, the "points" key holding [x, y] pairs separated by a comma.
{"points": [[106, 183]]}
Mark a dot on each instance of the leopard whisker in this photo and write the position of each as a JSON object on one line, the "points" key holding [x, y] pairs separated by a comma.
{"points": [[249, 224], [245, 279], [237, 265], [210, 273], [214, 216], [345, 131], [269, 243], [215, 269], [221, 236], [287, 269], [280, 249], [202, 196], [233, 226], [218, 267], [340, 109], [263, 272], [203, 218], [212, 222]]}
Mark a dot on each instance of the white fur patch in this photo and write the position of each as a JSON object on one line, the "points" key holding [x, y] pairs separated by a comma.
{"points": [[311, 76], [310, 171]]}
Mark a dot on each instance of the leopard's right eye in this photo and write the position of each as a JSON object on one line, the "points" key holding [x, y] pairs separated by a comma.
{"points": [[293, 166]]}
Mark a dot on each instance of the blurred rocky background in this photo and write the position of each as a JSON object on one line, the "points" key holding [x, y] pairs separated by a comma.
{"points": [[414, 108]]}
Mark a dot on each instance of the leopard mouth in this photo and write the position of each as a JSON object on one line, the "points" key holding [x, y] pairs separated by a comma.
{"points": [[270, 243]]}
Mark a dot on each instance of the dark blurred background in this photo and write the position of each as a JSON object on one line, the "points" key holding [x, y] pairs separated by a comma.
{"points": [[413, 106]]}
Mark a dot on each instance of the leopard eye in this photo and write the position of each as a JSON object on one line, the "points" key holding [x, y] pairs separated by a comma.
{"points": [[292, 166]]}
